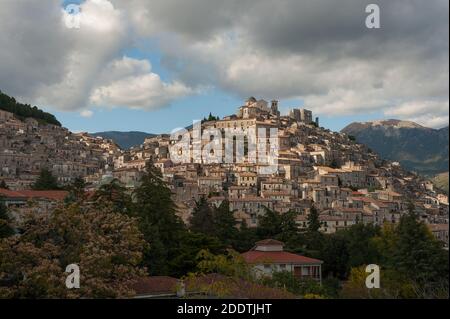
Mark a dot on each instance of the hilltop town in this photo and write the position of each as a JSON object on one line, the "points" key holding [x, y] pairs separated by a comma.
{"points": [[345, 181]]}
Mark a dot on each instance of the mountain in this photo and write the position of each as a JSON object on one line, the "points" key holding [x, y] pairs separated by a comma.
{"points": [[125, 140], [441, 181], [418, 148]]}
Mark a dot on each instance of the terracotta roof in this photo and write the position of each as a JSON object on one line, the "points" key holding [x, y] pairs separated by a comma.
{"points": [[52, 195], [8, 193], [155, 285], [236, 288], [255, 256]]}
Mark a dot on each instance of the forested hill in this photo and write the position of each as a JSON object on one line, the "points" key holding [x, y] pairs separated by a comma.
{"points": [[23, 111]]}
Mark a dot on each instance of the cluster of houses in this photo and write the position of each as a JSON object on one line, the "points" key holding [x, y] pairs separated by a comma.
{"points": [[343, 180], [315, 167], [28, 146]]}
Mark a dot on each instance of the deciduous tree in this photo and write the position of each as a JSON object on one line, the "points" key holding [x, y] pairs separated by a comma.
{"points": [[106, 246]]}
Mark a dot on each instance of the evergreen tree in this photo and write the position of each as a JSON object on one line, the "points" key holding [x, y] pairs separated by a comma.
{"points": [[23, 111], [289, 228], [269, 225], [334, 254], [313, 220], [46, 181], [202, 219], [76, 190], [5, 222], [245, 238], [225, 223], [3, 185], [158, 221]]}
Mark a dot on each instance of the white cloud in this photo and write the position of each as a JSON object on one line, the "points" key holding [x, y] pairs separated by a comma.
{"points": [[69, 69], [100, 38], [130, 82], [87, 113], [319, 52], [430, 113]]}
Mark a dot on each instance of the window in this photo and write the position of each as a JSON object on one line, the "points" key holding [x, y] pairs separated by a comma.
{"points": [[305, 271]]}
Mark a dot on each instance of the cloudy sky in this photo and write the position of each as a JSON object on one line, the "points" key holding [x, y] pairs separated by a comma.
{"points": [[155, 65]]}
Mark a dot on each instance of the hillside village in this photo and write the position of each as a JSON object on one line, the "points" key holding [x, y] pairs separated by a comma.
{"points": [[28, 146], [345, 181]]}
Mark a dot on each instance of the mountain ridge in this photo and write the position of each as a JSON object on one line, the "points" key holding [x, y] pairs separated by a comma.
{"points": [[125, 140], [418, 148]]}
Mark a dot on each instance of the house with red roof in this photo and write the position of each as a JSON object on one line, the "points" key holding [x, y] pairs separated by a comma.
{"points": [[21, 201], [268, 256]]}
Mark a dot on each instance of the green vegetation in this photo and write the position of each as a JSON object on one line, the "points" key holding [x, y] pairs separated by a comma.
{"points": [[418, 149], [46, 181], [210, 118], [5, 221], [105, 245], [140, 231], [23, 111]]}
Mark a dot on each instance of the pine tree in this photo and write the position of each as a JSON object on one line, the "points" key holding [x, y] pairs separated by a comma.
{"points": [[202, 219], [289, 228], [225, 223], [313, 220], [76, 190], [245, 238], [270, 225], [158, 221], [46, 181], [5, 222]]}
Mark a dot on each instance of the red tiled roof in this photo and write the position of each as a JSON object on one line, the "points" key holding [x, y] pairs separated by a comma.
{"points": [[52, 195], [7, 193], [255, 256], [236, 288], [155, 285]]}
